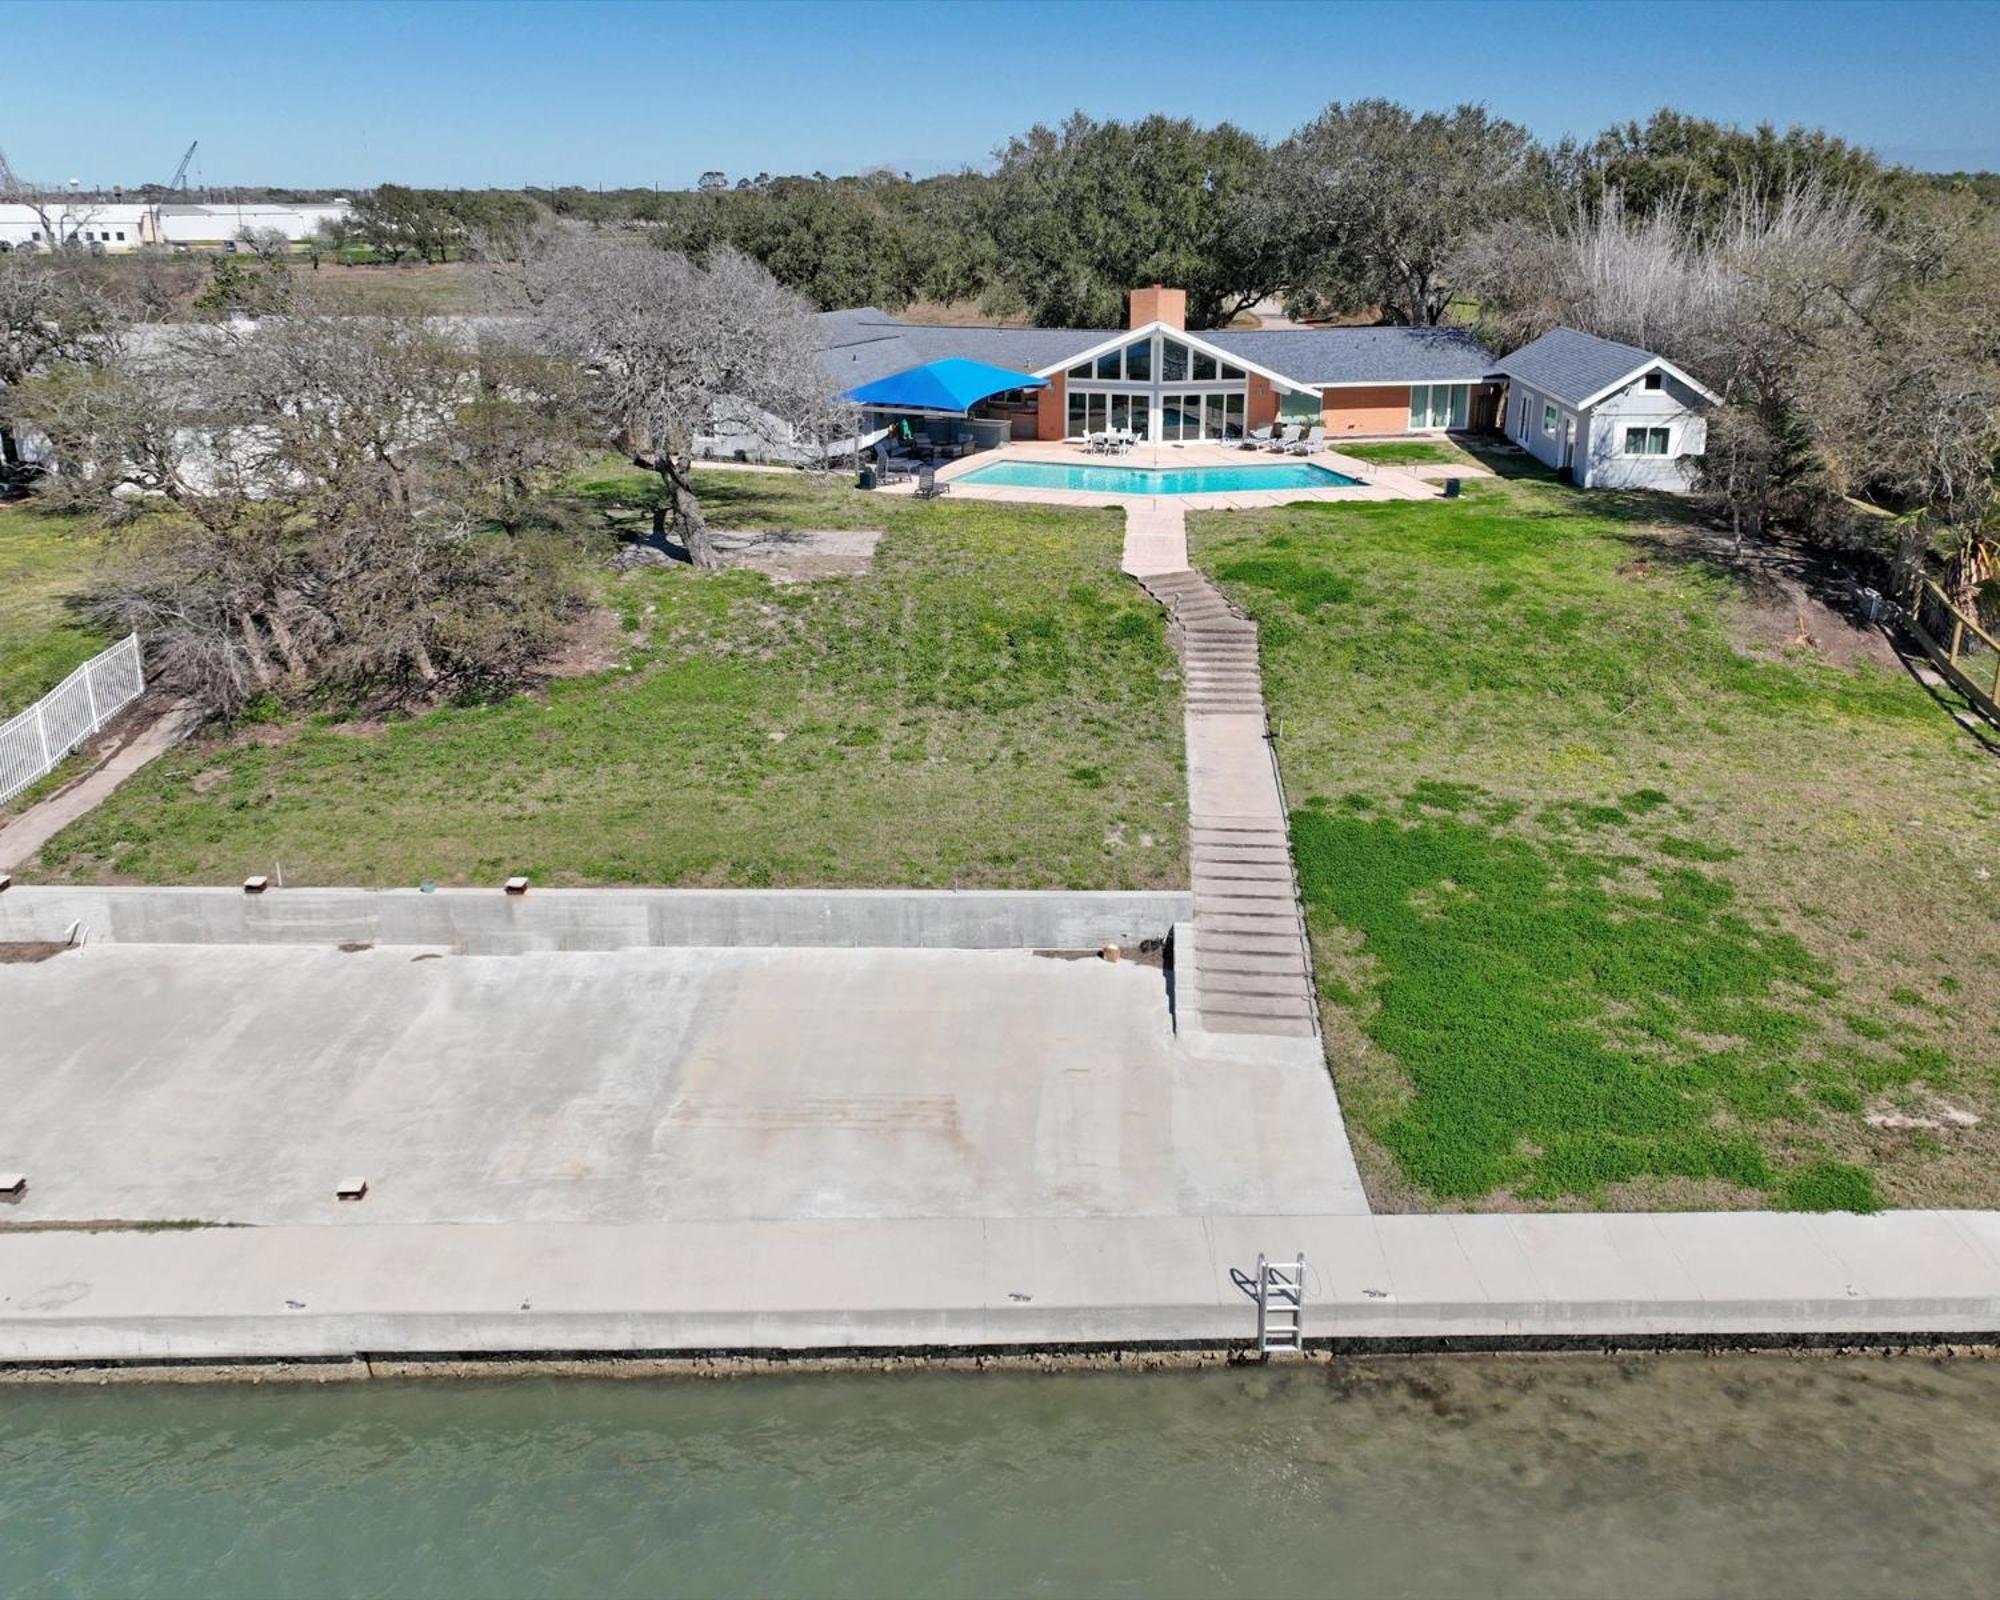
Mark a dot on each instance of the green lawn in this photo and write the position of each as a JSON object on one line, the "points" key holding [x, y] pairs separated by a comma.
{"points": [[1405, 453], [1615, 900], [993, 704], [44, 560]]}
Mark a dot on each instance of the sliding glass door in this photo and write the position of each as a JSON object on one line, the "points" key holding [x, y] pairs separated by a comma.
{"points": [[1438, 405]]}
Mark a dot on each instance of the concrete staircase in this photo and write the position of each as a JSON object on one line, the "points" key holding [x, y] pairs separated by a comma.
{"points": [[1249, 971], [1217, 645]]}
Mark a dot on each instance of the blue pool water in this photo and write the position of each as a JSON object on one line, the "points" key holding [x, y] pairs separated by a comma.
{"points": [[1167, 480]]}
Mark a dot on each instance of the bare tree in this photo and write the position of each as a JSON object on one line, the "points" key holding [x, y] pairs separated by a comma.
{"points": [[672, 348], [1750, 305], [50, 313], [343, 507]]}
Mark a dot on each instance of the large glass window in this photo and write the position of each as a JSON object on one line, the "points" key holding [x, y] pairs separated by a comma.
{"points": [[1107, 366], [1139, 361], [1203, 369], [1173, 361], [1438, 405], [1082, 370]]}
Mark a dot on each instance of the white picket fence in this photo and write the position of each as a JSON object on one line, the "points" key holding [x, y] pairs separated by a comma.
{"points": [[32, 743]]}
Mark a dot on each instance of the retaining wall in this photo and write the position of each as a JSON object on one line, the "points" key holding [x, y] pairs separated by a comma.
{"points": [[488, 922]]}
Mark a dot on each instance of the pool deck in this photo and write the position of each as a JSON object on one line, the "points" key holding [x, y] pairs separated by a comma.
{"points": [[1378, 482]]}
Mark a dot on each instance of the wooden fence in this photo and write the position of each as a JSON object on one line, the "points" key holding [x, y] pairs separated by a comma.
{"points": [[1959, 647]]}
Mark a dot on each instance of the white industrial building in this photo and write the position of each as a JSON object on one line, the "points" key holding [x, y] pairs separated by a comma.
{"points": [[116, 225]]}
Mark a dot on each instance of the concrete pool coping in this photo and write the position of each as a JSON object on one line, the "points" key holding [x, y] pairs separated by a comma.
{"points": [[304, 1293], [1377, 482]]}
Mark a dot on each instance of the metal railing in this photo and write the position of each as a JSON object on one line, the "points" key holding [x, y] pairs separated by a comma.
{"points": [[32, 743]]}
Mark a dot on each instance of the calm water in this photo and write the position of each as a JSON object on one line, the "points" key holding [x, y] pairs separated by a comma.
{"points": [[1168, 480], [1487, 1476]]}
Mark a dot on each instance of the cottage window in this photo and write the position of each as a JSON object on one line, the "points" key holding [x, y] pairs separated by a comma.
{"points": [[1549, 420], [1645, 441], [1651, 380]]}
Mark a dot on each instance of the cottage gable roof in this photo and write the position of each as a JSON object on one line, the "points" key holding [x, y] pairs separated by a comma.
{"points": [[1580, 369]]}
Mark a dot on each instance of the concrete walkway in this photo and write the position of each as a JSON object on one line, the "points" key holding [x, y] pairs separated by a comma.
{"points": [[1249, 971], [347, 1288], [21, 840]]}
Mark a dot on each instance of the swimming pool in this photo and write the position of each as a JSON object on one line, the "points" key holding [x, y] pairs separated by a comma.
{"points": [[1166, 480]]}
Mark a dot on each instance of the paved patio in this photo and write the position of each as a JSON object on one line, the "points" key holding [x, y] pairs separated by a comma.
{"points": [[1378, 482]]}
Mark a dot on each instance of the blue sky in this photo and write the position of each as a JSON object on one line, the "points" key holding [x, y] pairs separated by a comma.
{"points": [[482, 93]]}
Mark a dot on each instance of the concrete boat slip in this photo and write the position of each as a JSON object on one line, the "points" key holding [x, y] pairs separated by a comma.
{"points": [[334, 1291]]}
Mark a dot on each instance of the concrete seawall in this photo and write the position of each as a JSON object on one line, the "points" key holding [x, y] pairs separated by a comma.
{"points": [[336, 1291], [489, 922]]}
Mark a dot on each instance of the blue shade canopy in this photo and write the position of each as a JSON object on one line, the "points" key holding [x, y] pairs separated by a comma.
{"points": [[953, 384]]}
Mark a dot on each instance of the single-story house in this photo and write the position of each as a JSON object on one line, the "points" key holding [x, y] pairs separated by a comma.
{"points": [[1165, 384], [1612, 415]]}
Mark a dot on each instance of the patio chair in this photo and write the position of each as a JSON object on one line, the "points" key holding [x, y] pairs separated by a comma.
{"points": [[889, 466], [928, 487], [1258, 438], [1308, 441], [1279, 442], [1121, 441]]}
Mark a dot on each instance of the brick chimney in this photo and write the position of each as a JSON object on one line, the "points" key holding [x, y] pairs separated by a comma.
{"points": [[1159, 304]]}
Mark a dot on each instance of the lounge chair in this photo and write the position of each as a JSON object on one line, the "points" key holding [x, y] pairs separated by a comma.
{"points": [[1311, 440], [928, 487], [1280, 443], [1258, 438]]}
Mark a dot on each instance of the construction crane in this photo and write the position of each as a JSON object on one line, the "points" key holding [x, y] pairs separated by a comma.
{"points": [[180, 178]]}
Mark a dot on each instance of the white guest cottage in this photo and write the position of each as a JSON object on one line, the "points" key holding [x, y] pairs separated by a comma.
{"points": [[1615, 416]]}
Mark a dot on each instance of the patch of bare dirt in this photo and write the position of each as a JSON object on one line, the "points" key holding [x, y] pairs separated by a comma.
{"points": [[596, 643], [802, 555], [20, 952], [1792, 597]]}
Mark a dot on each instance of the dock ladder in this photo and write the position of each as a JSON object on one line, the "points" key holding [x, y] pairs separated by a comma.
{"points": [[1281, 1305]]}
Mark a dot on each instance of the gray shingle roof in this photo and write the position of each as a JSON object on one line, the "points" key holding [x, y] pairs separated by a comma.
{"points": [[858, 347], [1573, 366], [864, 344], [1361, 355]]}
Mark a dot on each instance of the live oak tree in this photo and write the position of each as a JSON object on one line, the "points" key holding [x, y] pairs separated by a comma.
{"points": [[1085, 211], [672, 349], [1367, 202]]}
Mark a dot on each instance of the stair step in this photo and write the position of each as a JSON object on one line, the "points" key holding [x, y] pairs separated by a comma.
{"points": [[1222, 872], [1274, 1027], [1211, 962], [1256, 1007], [1292, 984]]}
